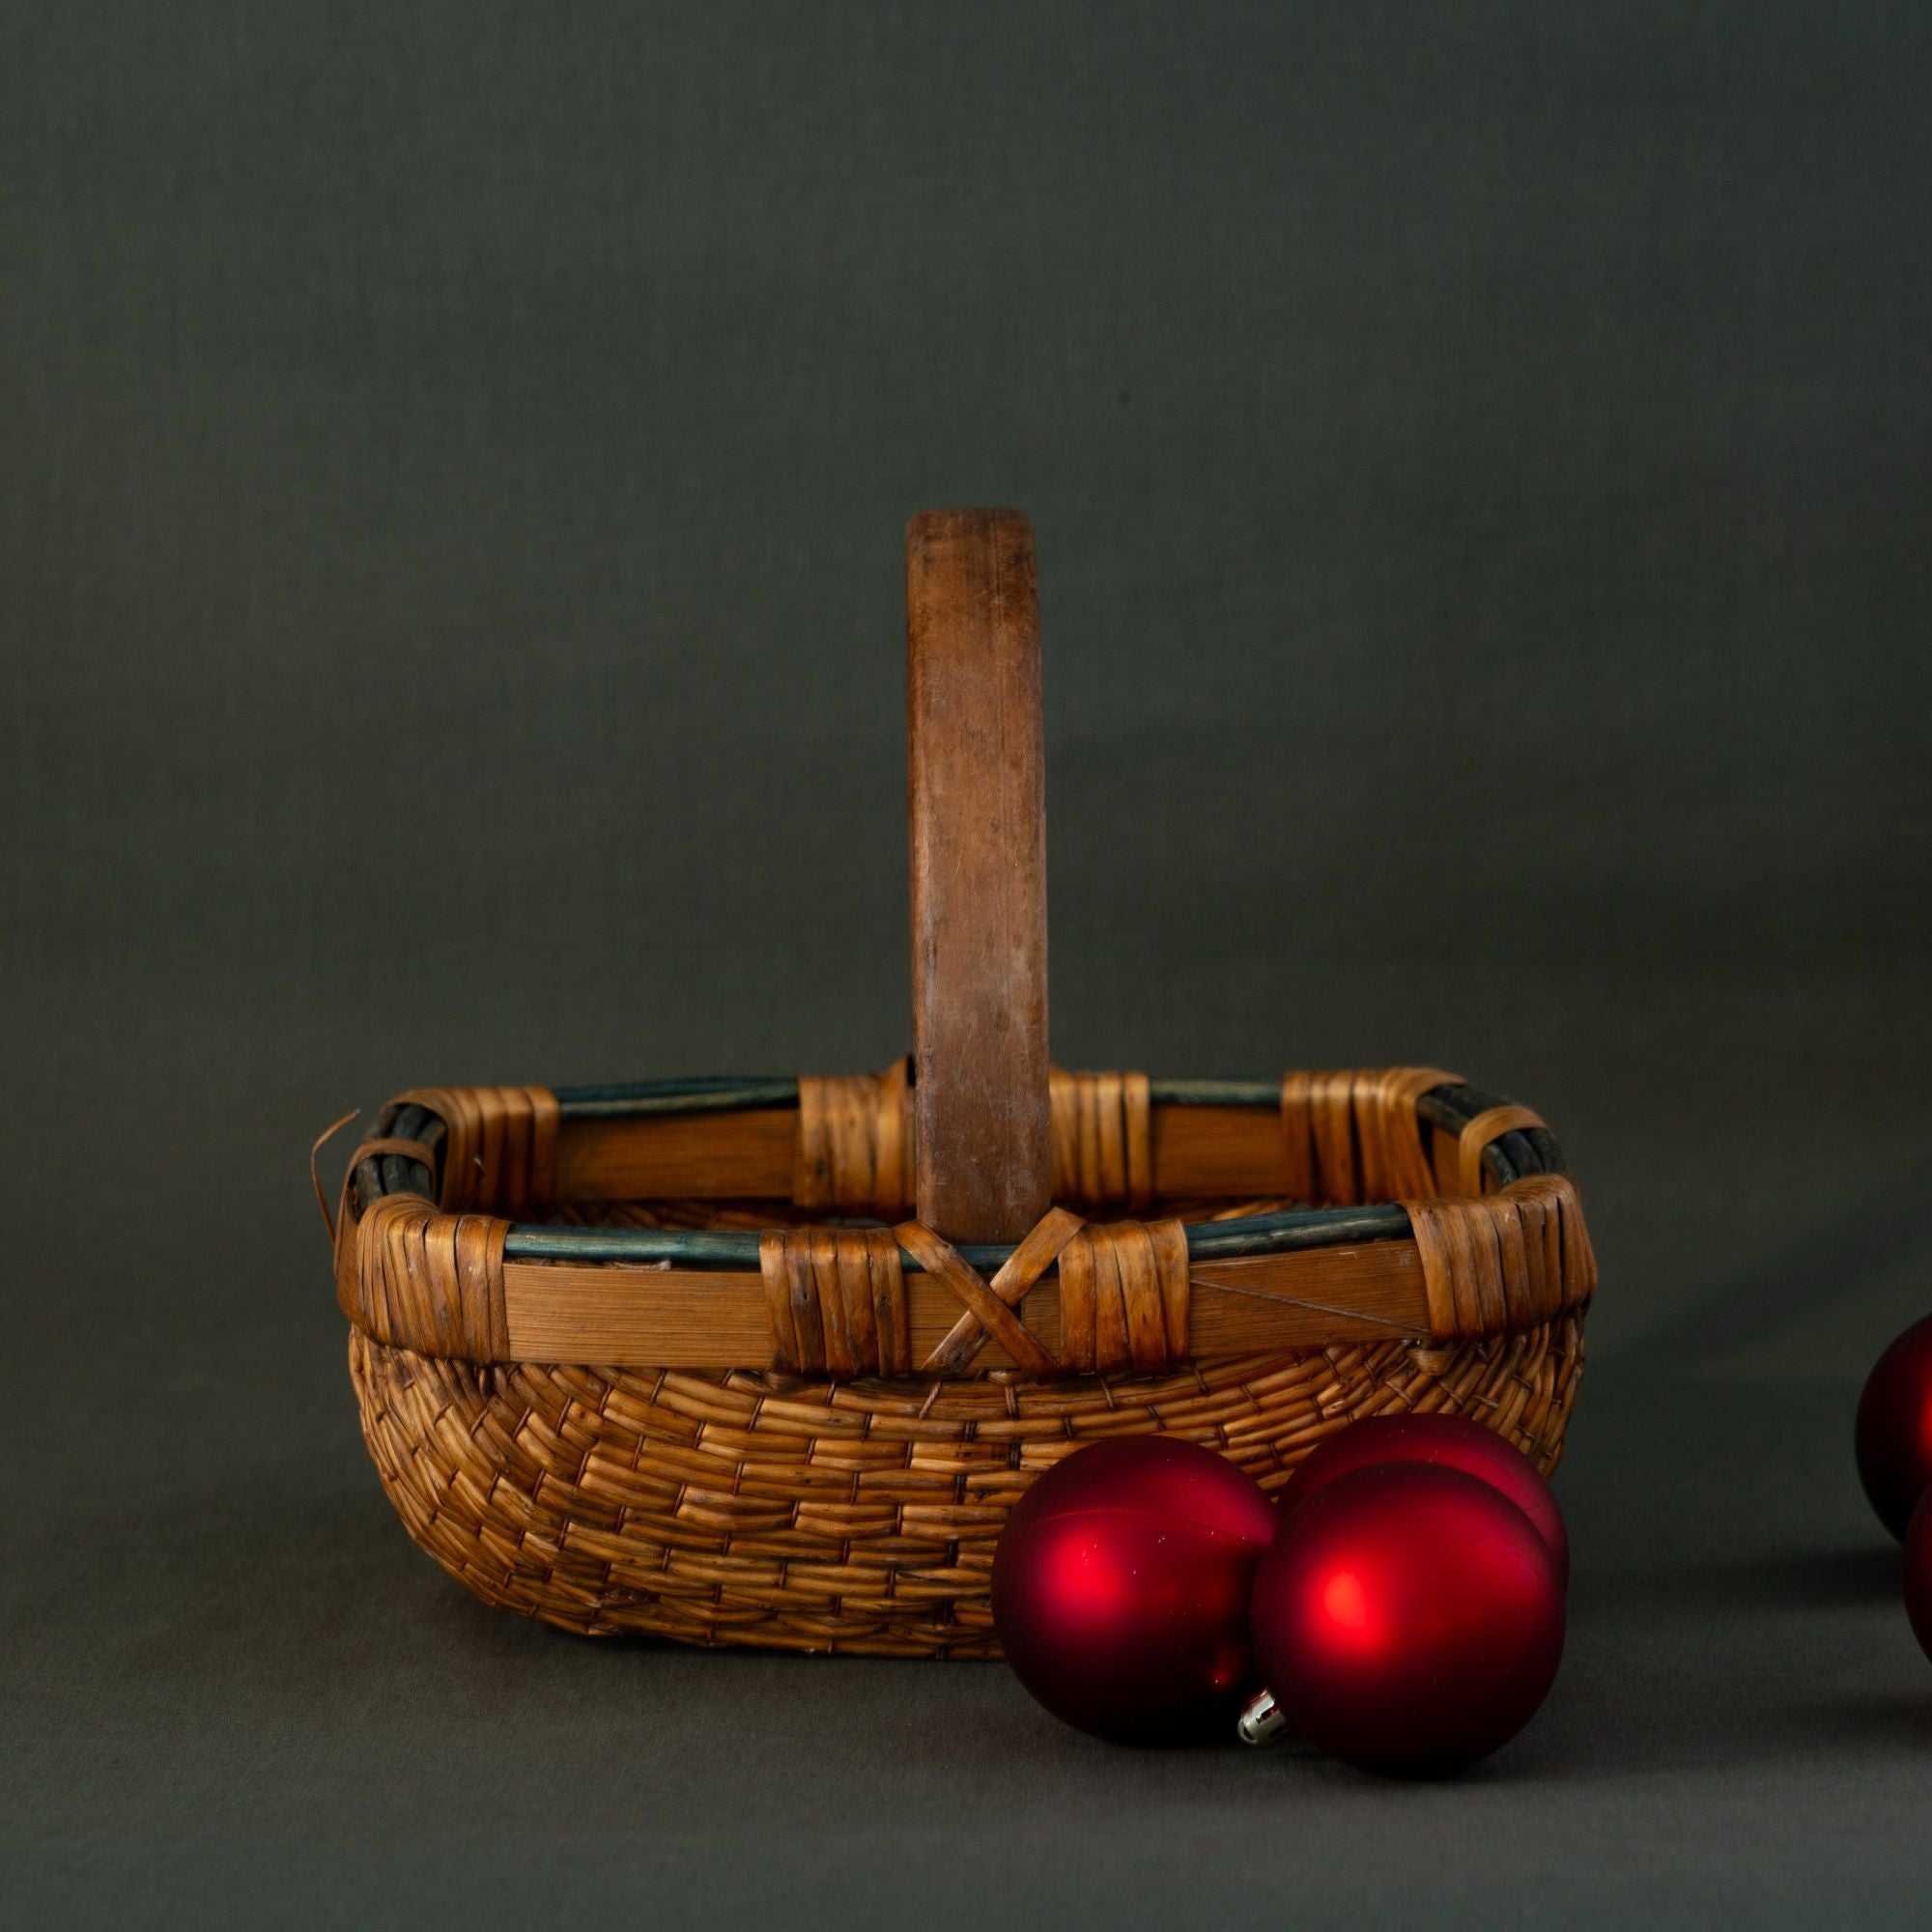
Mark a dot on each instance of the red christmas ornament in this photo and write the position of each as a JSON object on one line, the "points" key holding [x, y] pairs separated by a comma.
{"points": [[1918, 1572], [1450, 1441], [1409, 1619], [1120, 1588], [1893, 1436]]}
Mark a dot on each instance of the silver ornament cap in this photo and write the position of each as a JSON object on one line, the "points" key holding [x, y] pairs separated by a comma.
{"points": [[1260, 1721]]}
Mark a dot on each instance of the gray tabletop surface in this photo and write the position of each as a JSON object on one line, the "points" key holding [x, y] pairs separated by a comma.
{"points": [[452, 468]]}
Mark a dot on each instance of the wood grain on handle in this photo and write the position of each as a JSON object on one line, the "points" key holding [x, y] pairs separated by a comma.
{"points": [[976, 799]]}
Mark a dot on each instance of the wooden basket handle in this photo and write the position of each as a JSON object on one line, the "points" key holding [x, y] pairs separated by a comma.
{"points": [[976, 789]]}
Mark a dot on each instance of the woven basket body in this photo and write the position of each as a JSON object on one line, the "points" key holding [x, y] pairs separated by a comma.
{"points": [[747, 1508], [805, 1509]]}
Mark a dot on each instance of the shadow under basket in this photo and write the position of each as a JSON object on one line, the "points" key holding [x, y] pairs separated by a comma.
{"points": [[542, 1285]]}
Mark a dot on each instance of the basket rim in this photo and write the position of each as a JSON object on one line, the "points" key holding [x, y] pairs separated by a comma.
{"points": [[1449, 1106]]}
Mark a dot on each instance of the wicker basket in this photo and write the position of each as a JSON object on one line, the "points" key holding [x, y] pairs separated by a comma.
{"points": [[556, 1297]]}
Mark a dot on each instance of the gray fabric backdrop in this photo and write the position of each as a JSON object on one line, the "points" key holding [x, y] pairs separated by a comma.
{"points": [[452, 467]]}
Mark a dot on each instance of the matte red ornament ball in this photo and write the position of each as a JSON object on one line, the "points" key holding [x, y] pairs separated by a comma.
{"points": [[1918, 1572], [1893, 1436], [1452, 1441], [1409, 1619], [1120, 1588]]}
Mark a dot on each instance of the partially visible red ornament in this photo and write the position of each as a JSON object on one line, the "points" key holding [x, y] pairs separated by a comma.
{"points": [[1409, 1619], [1451, 1442], [1918, 1572], [1893, 1436], [1120, 1588]]}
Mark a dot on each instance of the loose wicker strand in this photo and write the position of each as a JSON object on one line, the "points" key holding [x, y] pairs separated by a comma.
{"points": [[327, 1135]]}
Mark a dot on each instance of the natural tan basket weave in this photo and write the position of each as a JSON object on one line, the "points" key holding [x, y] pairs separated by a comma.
{"points": [[557, 1300]]}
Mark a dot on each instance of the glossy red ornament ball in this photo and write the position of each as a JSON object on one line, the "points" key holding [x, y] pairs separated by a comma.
{"points": [[1409, 1619], [1918, 1572], [1893, 1436], [1120, 1588], [1452, 1442]]}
